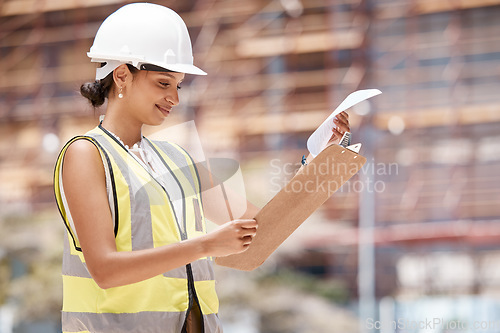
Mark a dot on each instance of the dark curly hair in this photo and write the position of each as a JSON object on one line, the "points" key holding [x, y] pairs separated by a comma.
{"points": [[97, 92]]}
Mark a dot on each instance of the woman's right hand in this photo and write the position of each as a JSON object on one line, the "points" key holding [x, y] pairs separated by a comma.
{"points": [[230, 238]]}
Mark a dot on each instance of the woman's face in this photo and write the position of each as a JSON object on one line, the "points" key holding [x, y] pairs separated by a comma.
{"points": [[151, 95]]}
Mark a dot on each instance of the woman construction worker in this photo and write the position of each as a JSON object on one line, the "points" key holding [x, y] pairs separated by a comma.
{"points": [[137, 257]]}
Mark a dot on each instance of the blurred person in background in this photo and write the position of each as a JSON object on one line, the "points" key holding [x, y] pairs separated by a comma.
{"points": [[137, 257]]}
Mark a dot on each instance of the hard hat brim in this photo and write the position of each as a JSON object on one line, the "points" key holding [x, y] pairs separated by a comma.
{"points": [[180, 68], [111, 64]]}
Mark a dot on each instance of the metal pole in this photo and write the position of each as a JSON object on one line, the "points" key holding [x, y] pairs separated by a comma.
{"points": [[366, 251]]}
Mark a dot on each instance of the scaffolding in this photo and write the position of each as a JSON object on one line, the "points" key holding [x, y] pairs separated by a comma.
{"points": [[275, 69]]}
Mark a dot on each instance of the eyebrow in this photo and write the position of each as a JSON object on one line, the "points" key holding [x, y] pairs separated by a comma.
{"points": [[170, 76], [166, 74]]}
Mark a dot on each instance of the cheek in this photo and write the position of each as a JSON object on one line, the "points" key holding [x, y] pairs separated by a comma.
{"points": [[153, 92], [147, 95]]}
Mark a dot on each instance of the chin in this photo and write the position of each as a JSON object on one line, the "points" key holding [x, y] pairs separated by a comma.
{"points": [[155, 122]]}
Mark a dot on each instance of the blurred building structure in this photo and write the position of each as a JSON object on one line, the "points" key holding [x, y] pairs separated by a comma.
{"points": [[430, 192]]}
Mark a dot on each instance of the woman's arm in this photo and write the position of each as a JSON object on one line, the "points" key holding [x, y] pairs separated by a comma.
{"points": [[85, 189]]}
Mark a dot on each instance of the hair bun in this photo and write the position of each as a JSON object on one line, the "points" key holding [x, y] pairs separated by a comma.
{"points": [[94, 92]]}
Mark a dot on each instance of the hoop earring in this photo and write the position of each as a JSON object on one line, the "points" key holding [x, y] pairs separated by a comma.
{"points": [[120, 95]]}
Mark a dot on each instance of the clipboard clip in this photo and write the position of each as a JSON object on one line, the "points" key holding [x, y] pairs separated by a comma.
{"points": [[346, 143]]}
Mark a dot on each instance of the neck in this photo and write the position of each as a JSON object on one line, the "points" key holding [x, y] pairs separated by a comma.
{"points": [[129, 130]]}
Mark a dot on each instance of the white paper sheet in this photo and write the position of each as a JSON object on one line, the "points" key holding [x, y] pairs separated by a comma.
{"points": [[319, 139]]}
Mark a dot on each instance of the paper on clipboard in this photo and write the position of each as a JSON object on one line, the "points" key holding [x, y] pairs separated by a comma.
{"points": [[319, 139]]}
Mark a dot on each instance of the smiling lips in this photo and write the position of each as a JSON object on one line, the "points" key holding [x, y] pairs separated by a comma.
{"points": [[164, 109]]}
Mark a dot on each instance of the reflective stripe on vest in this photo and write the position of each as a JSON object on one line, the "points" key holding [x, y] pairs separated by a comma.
{"points": [[144, 218]]}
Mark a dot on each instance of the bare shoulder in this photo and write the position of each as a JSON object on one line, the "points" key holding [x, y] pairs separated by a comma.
{"points": [[83, 148], [82, 159]]}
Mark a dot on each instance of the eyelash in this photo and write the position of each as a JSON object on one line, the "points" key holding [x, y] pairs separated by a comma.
{"points": [[167, 84]]}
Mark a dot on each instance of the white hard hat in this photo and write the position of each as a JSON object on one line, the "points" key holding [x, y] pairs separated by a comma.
{"points": [[146, 35]]}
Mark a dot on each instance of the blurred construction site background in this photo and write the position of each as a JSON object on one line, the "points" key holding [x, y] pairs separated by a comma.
{"points": [[411, 244]]}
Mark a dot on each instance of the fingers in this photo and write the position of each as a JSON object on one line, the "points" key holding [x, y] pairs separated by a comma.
{"points": [[336, 135], [342, 123], [343, 116], [246, 224], [246, 227], [247, 231], [341, 127], [247, 240]]}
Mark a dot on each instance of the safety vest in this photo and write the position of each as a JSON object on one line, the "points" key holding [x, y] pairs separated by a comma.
{"points": [[144, 217]]}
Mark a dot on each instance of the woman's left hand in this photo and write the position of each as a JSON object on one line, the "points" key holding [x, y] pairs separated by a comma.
{"points": [[341, 123]]}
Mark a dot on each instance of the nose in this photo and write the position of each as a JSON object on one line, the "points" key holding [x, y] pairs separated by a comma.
{"points": [[173, 97]]}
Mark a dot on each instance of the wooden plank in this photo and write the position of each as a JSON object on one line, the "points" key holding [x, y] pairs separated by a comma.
{"points": [[60, 34], [442, 116], [436, 73], [303, 43], [471, 232], [242, 86], [23, 7], [401, 9], [34, 77], [433, 6]]}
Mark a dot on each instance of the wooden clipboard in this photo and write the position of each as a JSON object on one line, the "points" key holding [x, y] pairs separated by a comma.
{"points": [[288, 209]]}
